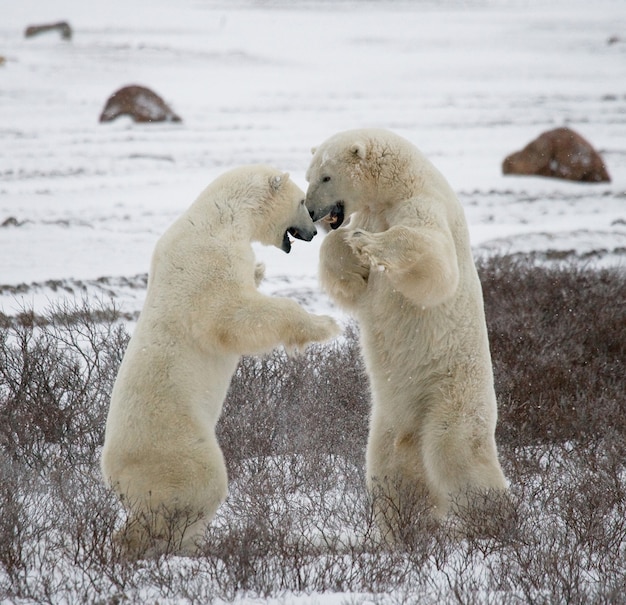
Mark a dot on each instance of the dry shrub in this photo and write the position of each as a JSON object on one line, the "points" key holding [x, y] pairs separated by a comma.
{"points": [[558, 340], [56, 374], [279, 404], [294, 432]]}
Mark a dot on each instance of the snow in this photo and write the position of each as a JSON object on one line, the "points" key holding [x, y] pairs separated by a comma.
{"points": [[264, 82], [468, 82]]}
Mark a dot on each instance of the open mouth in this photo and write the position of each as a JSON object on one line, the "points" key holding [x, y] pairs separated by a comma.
{"points": [[336, 216], [286, 245], [305, 234]]}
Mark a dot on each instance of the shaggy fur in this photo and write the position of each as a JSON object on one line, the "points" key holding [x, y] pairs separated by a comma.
{"points": [[399, 260], [202, 312]]}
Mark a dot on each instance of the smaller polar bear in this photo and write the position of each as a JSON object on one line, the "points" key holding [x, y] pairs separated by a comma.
{"points": [[403, 267], [202, 312]]}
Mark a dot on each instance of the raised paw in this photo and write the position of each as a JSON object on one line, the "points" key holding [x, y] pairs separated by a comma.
{"points": [[327, 328], [316, 328], [366, 247]]}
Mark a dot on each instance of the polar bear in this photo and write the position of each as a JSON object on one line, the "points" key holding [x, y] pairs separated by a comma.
{"points": [[202, 312], [399, 260]]}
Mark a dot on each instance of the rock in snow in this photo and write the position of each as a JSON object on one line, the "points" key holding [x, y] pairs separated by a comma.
{"points": [[63, 27], [559, 153], [140, 103]]}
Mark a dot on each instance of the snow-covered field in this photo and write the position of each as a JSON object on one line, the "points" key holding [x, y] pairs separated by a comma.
{"points": [[82, 203], [467, 82]]}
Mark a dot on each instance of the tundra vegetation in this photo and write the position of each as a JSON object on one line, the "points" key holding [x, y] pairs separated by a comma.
{"points": [[294, 429]]}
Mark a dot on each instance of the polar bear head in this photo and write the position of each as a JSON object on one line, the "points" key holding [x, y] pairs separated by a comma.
{"points": [[286, 214], [356, 169], [266, 204]]}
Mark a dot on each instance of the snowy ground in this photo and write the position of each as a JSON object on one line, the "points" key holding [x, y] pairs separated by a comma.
{"points": [[467, 82]]}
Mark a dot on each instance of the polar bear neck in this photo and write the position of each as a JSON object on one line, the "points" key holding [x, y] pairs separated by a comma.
{"points": [[216, 216], [401, 174], [393, 174]]}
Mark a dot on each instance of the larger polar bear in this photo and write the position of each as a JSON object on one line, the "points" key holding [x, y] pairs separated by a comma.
{"points": [[202, 312], [403, 267]]}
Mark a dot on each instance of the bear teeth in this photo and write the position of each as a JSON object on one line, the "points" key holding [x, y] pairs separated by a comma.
{"points": [[336, 216]]}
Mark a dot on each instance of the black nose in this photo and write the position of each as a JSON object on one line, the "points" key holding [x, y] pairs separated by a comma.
{"points": [[311, 213]]}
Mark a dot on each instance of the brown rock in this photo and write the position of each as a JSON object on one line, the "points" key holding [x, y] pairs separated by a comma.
{"points": [[11, 221], [560, 153], [140, 103], [63, 27]]}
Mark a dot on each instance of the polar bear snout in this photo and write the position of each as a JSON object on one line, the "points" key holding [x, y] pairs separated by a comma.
{"points": [[301, 226], [305, 234], [333, 215]]}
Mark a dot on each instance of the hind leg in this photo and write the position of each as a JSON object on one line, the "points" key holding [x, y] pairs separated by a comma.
{"points": [[169, 507], [397, 481], [464, 476]]}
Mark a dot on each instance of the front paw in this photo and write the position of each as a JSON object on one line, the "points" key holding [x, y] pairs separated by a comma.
{"points": [[326, 329], [316, 328], [366, 247], [344, 279]]}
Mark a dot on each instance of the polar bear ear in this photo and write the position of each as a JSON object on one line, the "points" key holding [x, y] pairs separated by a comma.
{"points": [[276, 182], [358, 150], [313, 150]]}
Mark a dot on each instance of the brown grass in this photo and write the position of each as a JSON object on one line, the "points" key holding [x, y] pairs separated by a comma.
{"points": [[293, 433]]}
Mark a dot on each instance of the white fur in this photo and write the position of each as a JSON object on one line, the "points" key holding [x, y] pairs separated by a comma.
{"points": [[402, 265], [202, 312]]}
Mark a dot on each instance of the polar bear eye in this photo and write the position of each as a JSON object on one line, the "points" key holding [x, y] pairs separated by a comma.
{"points": [[325, 179], [301, 202]]}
